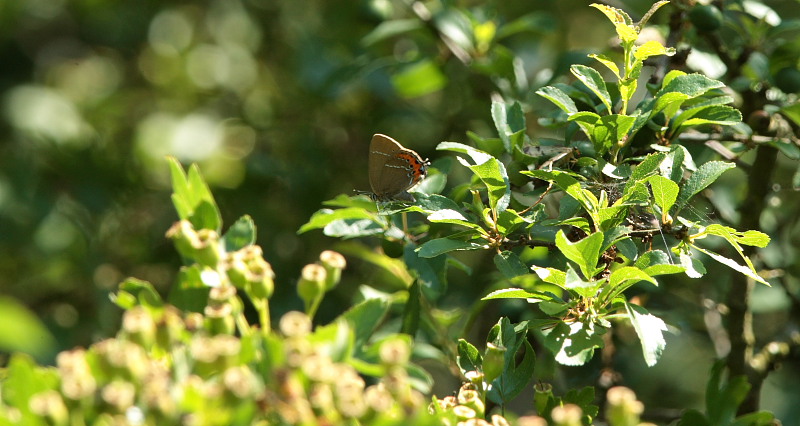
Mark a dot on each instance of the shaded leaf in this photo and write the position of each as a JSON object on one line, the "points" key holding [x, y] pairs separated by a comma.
{"points": [[440, 246], [594, 81], [468, 358], [241, 234], [705, 175], [559, 98], [510, 265]]}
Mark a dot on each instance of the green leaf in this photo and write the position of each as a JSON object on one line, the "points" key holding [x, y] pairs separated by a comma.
{"points": [[192, 198], [508, 121], [649, 328], [616, 16], [651, 48], [586, 289], [672, 166], [493, 174], [558, 97], [694, 267], [732, 264], [722, 115], [750, 238], [551, 275], [353, 228], [628, 86], [605, 131], [431, 272], [626, 31], [623, 278], [478, 156], [611, 217], [759, 418], [453, 217], [518, 293], [143, 293], [574, 343], [704, 176], [22, 331], [647, 167], [792, 112], [22, 379], [734, 238], [241, 234], [389, 29], [570, 185], [468, 358], [412, 311], [514, 376], [510, 265], [608, 62], [323, 217], [691, 85], [669, 103], [665, 192], [365, 317], [657, 262], [693, 417], [585, 253], [440, 246], [509, 221], [723, 399], [594, 81], [336, 339], [421, 78]]}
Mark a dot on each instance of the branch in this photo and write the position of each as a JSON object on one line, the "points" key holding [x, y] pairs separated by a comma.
{"points": [[740, 327]]}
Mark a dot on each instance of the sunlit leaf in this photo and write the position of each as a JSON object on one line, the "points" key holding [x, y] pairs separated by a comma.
{"points": [[650, 330], [608, 62], [518, 293], [665, 192], [585, 252]]}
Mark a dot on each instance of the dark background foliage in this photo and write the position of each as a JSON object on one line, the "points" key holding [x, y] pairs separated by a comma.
{"points": [[277, 100]]}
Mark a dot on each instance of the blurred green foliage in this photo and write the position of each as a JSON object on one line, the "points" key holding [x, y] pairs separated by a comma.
{"points": [[276, 101]]}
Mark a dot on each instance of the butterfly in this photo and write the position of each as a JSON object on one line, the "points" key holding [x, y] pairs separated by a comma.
{"points": [[394, 169]]}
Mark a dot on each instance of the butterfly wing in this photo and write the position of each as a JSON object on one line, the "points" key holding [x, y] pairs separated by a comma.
{"points": [[393, 169]]}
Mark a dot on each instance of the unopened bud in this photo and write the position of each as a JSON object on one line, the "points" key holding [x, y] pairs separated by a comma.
{"points": [[470, 398], [395, 352], [567, 415], [622, 407], [203, 246], [219, 319], [49, 405], [311, 287], [542, 395], [139, 326], [493, 361], [333, 263]]}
